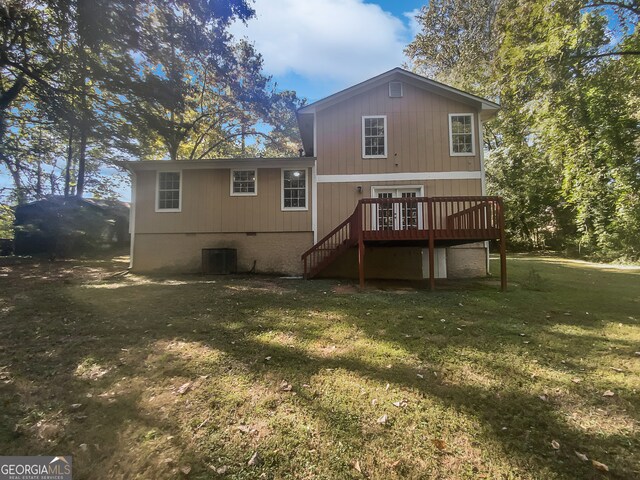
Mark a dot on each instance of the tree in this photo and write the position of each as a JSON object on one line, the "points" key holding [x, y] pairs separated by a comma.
{"points": [[564, 150], [84, 82]]}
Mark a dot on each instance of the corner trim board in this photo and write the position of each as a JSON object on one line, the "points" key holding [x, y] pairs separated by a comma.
{"points": [[385, 177]]}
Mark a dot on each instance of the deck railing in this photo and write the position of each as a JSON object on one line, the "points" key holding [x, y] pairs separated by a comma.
{"points": [[457, 219]]}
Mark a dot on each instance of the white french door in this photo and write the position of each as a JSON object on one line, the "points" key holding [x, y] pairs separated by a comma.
{"points": [[397, 215]]}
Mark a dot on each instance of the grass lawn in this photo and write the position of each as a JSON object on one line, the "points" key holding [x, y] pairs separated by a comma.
{"points": [[189, 376]]}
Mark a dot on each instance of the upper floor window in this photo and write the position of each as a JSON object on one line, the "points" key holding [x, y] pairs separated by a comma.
{"points": [[294, 189], [169, 192], [244, 182], [461, 135], [374, 136]]}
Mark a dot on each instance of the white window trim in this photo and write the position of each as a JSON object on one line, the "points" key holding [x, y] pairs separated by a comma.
{"points": [[473, 136], [243, 194], [168, 210], [386, 135], [306, 191]]}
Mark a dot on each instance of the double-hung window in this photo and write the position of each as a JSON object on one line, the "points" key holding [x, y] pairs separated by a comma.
{"points": [[294, 189], [374, 136], [244, 182], [461, 135], [169, 194]]}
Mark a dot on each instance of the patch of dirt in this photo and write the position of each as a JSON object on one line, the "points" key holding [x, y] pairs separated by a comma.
{"points": [[345, 289]]}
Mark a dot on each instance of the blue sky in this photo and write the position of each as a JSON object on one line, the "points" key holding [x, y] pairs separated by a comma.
{"points": [[317, 47]]}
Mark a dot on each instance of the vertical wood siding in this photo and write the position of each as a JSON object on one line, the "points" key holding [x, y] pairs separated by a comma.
{"points": [[207, 206], [418, 133]]}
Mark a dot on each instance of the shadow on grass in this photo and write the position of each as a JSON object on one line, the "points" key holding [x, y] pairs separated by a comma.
{"points": [[121, 329]]}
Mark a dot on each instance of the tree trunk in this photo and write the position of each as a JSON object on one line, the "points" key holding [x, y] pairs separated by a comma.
{"points": [[39, 180], [84, 125], [67, 172], [81, 162]]}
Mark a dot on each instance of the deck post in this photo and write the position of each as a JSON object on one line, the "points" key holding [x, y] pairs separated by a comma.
{"points": [[360, 245], [432, 269], [503, 249]]}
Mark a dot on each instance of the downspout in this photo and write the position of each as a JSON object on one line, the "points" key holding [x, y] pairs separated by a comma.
{"points": [[132, 218], [314, 183]]}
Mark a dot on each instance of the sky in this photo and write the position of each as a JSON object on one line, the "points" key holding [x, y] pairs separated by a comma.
{"points": [[318, 47]]}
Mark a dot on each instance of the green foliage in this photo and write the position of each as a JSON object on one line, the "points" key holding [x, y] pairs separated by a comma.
{"points": [[565, 149], [6, 221], [85, 83]]}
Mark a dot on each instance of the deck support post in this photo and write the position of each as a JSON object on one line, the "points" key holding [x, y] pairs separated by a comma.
{"points": [[432, 244], [503, 249], [361, 262], [360, 246], [432, 270]]}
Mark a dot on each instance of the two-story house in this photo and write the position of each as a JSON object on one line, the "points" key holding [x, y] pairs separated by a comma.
{"points": [[392, 167]]}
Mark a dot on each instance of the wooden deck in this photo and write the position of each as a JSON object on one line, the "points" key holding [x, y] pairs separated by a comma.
{"points": [[429, 221]]}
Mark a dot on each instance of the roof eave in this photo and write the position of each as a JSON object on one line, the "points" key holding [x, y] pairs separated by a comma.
{"points": [[478, 102]]}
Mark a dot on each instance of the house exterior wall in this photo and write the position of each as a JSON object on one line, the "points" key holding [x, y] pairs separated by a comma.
{"points": [[409, 263], [211, 218], [418, 134], [208, 207], [273, 252]]}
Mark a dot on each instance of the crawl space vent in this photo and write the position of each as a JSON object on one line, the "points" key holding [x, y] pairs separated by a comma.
{"points": [[395, 89]]}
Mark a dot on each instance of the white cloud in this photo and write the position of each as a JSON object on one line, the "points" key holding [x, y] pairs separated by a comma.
{"points": [[414, 25], [338, 40]]}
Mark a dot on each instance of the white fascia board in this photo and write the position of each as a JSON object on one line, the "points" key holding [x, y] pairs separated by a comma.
{"points": [[390, 177]]}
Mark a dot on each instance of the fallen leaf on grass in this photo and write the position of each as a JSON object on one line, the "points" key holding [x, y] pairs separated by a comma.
{"points": [[608, 393], [186, 469], [576, 380], [544, 398], [555, 445], [400, 403], [440, 444], [184, 388], [356, 465], [383, 420], [255, 460], [285, 387], [600, 466], [581, 456], [618, 370]]}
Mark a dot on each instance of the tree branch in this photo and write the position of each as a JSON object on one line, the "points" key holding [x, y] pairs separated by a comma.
{"points": [[612, 54]]}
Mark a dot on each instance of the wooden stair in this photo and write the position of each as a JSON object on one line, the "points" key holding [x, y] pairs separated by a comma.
{"points": [[332, 246]]}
